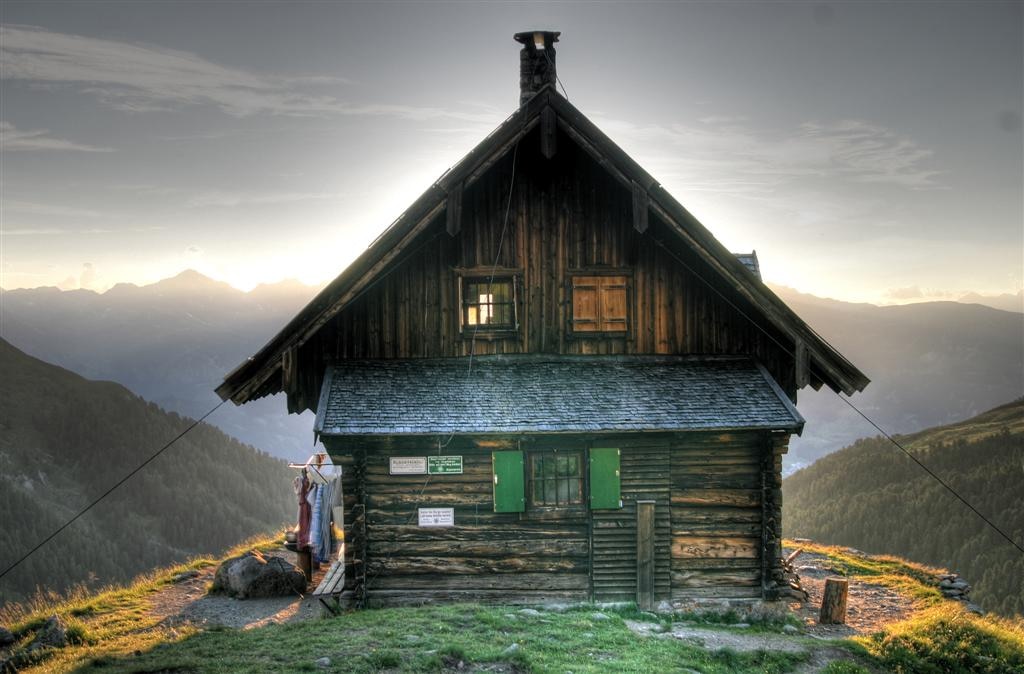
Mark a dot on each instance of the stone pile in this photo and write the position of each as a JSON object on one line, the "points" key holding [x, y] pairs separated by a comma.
{"points": [[954, 587]]}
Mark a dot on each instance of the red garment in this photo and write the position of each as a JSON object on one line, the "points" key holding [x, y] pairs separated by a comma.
{"points": [[305, 512]]}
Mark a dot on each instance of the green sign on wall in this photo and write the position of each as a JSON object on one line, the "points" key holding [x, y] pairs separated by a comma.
{"points": [[444, 465]]}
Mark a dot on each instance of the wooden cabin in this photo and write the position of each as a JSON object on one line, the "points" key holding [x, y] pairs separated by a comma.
{"points": [[547, 381]]}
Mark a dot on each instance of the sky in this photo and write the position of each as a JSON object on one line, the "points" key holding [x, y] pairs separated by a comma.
{"points": [[868, 151]]}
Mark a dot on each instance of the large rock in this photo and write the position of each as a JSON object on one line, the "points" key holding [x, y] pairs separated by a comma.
{"points": [[53, 634], [254, 575]]}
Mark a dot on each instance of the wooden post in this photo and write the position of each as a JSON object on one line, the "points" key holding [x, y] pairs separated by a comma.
{"points": [[305, 563], [833, 602], [645, 555]]}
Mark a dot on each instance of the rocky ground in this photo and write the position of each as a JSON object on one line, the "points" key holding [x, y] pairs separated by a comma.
{"points": [[868, 607], [187, 601]]}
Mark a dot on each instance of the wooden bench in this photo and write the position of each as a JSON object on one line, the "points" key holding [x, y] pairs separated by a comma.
{"points": [[328, 592]]}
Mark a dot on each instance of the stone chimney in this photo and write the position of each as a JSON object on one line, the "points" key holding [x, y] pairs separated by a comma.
{"points": [[536, 62]]}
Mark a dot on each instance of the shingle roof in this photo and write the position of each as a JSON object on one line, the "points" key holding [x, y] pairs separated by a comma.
{"points": [[543, 394]]}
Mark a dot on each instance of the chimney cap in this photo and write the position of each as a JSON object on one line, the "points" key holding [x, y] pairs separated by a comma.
{"points": [[530, 37]]}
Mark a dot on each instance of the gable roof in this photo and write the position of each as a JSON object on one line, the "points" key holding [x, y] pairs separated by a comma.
{"points": [[551, 394], [255, 377]]}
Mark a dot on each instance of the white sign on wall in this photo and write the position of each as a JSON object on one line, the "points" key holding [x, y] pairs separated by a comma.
{"points": [[437, 517], [408, 465]]}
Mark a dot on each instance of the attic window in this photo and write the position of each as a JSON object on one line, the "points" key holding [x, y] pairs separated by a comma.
{"points": [[488, 304], [600, 303]]}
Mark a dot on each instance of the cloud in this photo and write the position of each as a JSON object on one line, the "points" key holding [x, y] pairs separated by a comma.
{"points": [[88, 275], [908, 293], [724, 154], [872, 153], [33, 208], [144, 78], [229, 199], [16, 140]]}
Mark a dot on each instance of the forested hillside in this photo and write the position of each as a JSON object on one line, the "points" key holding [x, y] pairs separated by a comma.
{"points": [[873, 497], [64, 440]]}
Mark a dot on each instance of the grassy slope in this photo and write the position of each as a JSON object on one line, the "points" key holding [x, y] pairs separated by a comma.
{"points": [[115, 634]]}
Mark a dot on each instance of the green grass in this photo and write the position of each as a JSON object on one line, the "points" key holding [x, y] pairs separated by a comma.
{"points": [[949, 639], [113, 631], [428, 639]]}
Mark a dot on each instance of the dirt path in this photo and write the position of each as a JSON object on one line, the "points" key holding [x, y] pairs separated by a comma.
{"points": [[187, 602], [869, 606]]}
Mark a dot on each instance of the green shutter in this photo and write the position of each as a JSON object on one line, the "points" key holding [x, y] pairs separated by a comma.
{"points": [[509, 494], [604, 479]]}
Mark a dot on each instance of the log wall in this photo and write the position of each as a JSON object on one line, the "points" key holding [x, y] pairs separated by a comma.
{"points": [[717, 515], [711, 502], [486, 556]]}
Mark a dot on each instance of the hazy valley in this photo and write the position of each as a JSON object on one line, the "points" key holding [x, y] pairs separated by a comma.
{"points": [[172, 342]]}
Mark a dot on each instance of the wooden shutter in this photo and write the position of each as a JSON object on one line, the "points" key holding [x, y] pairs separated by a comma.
{"points": [[509, 491], [599, 304], [605, 481], [613, 304], [586, 307]]}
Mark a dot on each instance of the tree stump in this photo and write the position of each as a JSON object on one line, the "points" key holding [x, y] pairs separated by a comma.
{"points": [[833, 602]]}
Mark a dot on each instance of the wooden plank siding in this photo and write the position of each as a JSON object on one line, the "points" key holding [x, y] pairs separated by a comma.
{"points": [[567, 216], [645, 476], [716, 515]]}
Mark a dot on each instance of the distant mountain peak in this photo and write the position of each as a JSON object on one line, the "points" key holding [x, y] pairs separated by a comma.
{"points": [[191, 281]]}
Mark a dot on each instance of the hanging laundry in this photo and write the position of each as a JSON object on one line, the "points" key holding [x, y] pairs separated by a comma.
{"points": [[302, 490], [317, 518], [326, 496]]}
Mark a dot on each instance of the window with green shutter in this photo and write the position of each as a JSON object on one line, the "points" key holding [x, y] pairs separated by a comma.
{"points": [[509, 491], [604, 479]]}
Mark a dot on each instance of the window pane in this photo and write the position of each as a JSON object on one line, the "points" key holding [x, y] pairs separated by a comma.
{"points": [[502, 314], [556, 479], [550, 492], [488, 303], [574, 491], [563, 491]]}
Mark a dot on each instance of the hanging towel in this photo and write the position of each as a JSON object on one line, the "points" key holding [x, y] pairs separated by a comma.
{"points": [[315, 521], [325, 494]]}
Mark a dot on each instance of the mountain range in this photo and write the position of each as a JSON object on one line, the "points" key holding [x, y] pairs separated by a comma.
{"points": [[930, 363], [875, 498], [64, 440], [173, 341]]}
